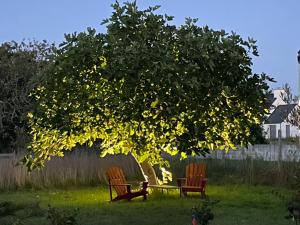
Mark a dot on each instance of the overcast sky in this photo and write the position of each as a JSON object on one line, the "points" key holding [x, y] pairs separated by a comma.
{"points": [[275, 24]]}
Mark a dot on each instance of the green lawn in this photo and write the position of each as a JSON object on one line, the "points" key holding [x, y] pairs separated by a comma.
{"points": [[239, 205]]}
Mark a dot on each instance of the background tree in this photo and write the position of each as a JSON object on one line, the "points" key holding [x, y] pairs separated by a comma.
{"points": [[288, 97], [148, 88], [21, 67]]}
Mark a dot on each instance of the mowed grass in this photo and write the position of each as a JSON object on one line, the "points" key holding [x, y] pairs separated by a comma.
{"points": [[239, 205]]}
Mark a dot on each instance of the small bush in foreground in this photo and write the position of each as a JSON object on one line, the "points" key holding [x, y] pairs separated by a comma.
{"points": [[7, 208], [62, 217], [202, 213]]}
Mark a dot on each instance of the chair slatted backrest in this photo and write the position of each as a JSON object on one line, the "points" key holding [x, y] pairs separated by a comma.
{"points": [[115, 175], [195, 173]]}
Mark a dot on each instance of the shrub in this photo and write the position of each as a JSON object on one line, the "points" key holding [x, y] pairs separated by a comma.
{"points": [[202, 213], [62, 217]]}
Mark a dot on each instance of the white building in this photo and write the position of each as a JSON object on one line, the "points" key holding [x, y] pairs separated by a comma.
{"points": [[277, 121]]}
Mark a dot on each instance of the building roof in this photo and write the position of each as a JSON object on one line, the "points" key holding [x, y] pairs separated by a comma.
{"points": [[280, 114]]}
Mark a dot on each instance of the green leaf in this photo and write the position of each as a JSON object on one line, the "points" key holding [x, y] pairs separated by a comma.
{"points": [[154, 104]]}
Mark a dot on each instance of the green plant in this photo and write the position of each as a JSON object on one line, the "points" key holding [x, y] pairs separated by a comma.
{"points": [[17, 222], [147, 88], [62, 217], [7, 208], [10, 211], [202, 213], [294, 208]]}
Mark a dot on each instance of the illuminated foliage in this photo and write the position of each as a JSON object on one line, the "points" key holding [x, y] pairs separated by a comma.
{"points": [[147, 88]]}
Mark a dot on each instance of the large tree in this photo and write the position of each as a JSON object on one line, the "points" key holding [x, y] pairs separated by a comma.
{"points": [[21, 67], [147, 88]]}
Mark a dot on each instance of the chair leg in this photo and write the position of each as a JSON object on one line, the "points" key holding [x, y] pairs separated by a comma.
{"points": [[110, 193], [203, 195]]}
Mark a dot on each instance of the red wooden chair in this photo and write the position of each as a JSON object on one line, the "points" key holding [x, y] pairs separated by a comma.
{"points": [[116, 179], [194, 181]]}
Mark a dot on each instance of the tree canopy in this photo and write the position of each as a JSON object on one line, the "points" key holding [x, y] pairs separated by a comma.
{"points": [[147, 87]]}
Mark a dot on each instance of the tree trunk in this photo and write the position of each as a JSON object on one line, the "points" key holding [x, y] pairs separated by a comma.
{"points": [[148, 171]]}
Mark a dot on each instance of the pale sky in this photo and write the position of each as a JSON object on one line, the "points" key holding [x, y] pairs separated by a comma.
{"points": [[275, 24]]}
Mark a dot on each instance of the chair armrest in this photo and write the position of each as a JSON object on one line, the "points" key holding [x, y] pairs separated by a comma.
{"points": [[134, 182], [143, 184], [110, 184], [180, 181], [203, 182], [119, 184]]}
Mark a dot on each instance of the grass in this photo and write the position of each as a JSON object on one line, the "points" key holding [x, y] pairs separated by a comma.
{"points": [[69, 183], [239, 205]]}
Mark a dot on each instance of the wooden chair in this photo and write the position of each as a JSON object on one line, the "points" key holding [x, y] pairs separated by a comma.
{"points": [[194, 181], [116, 179]]}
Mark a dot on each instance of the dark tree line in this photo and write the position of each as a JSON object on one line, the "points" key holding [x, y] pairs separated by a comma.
{"points": [[22, 66]]}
